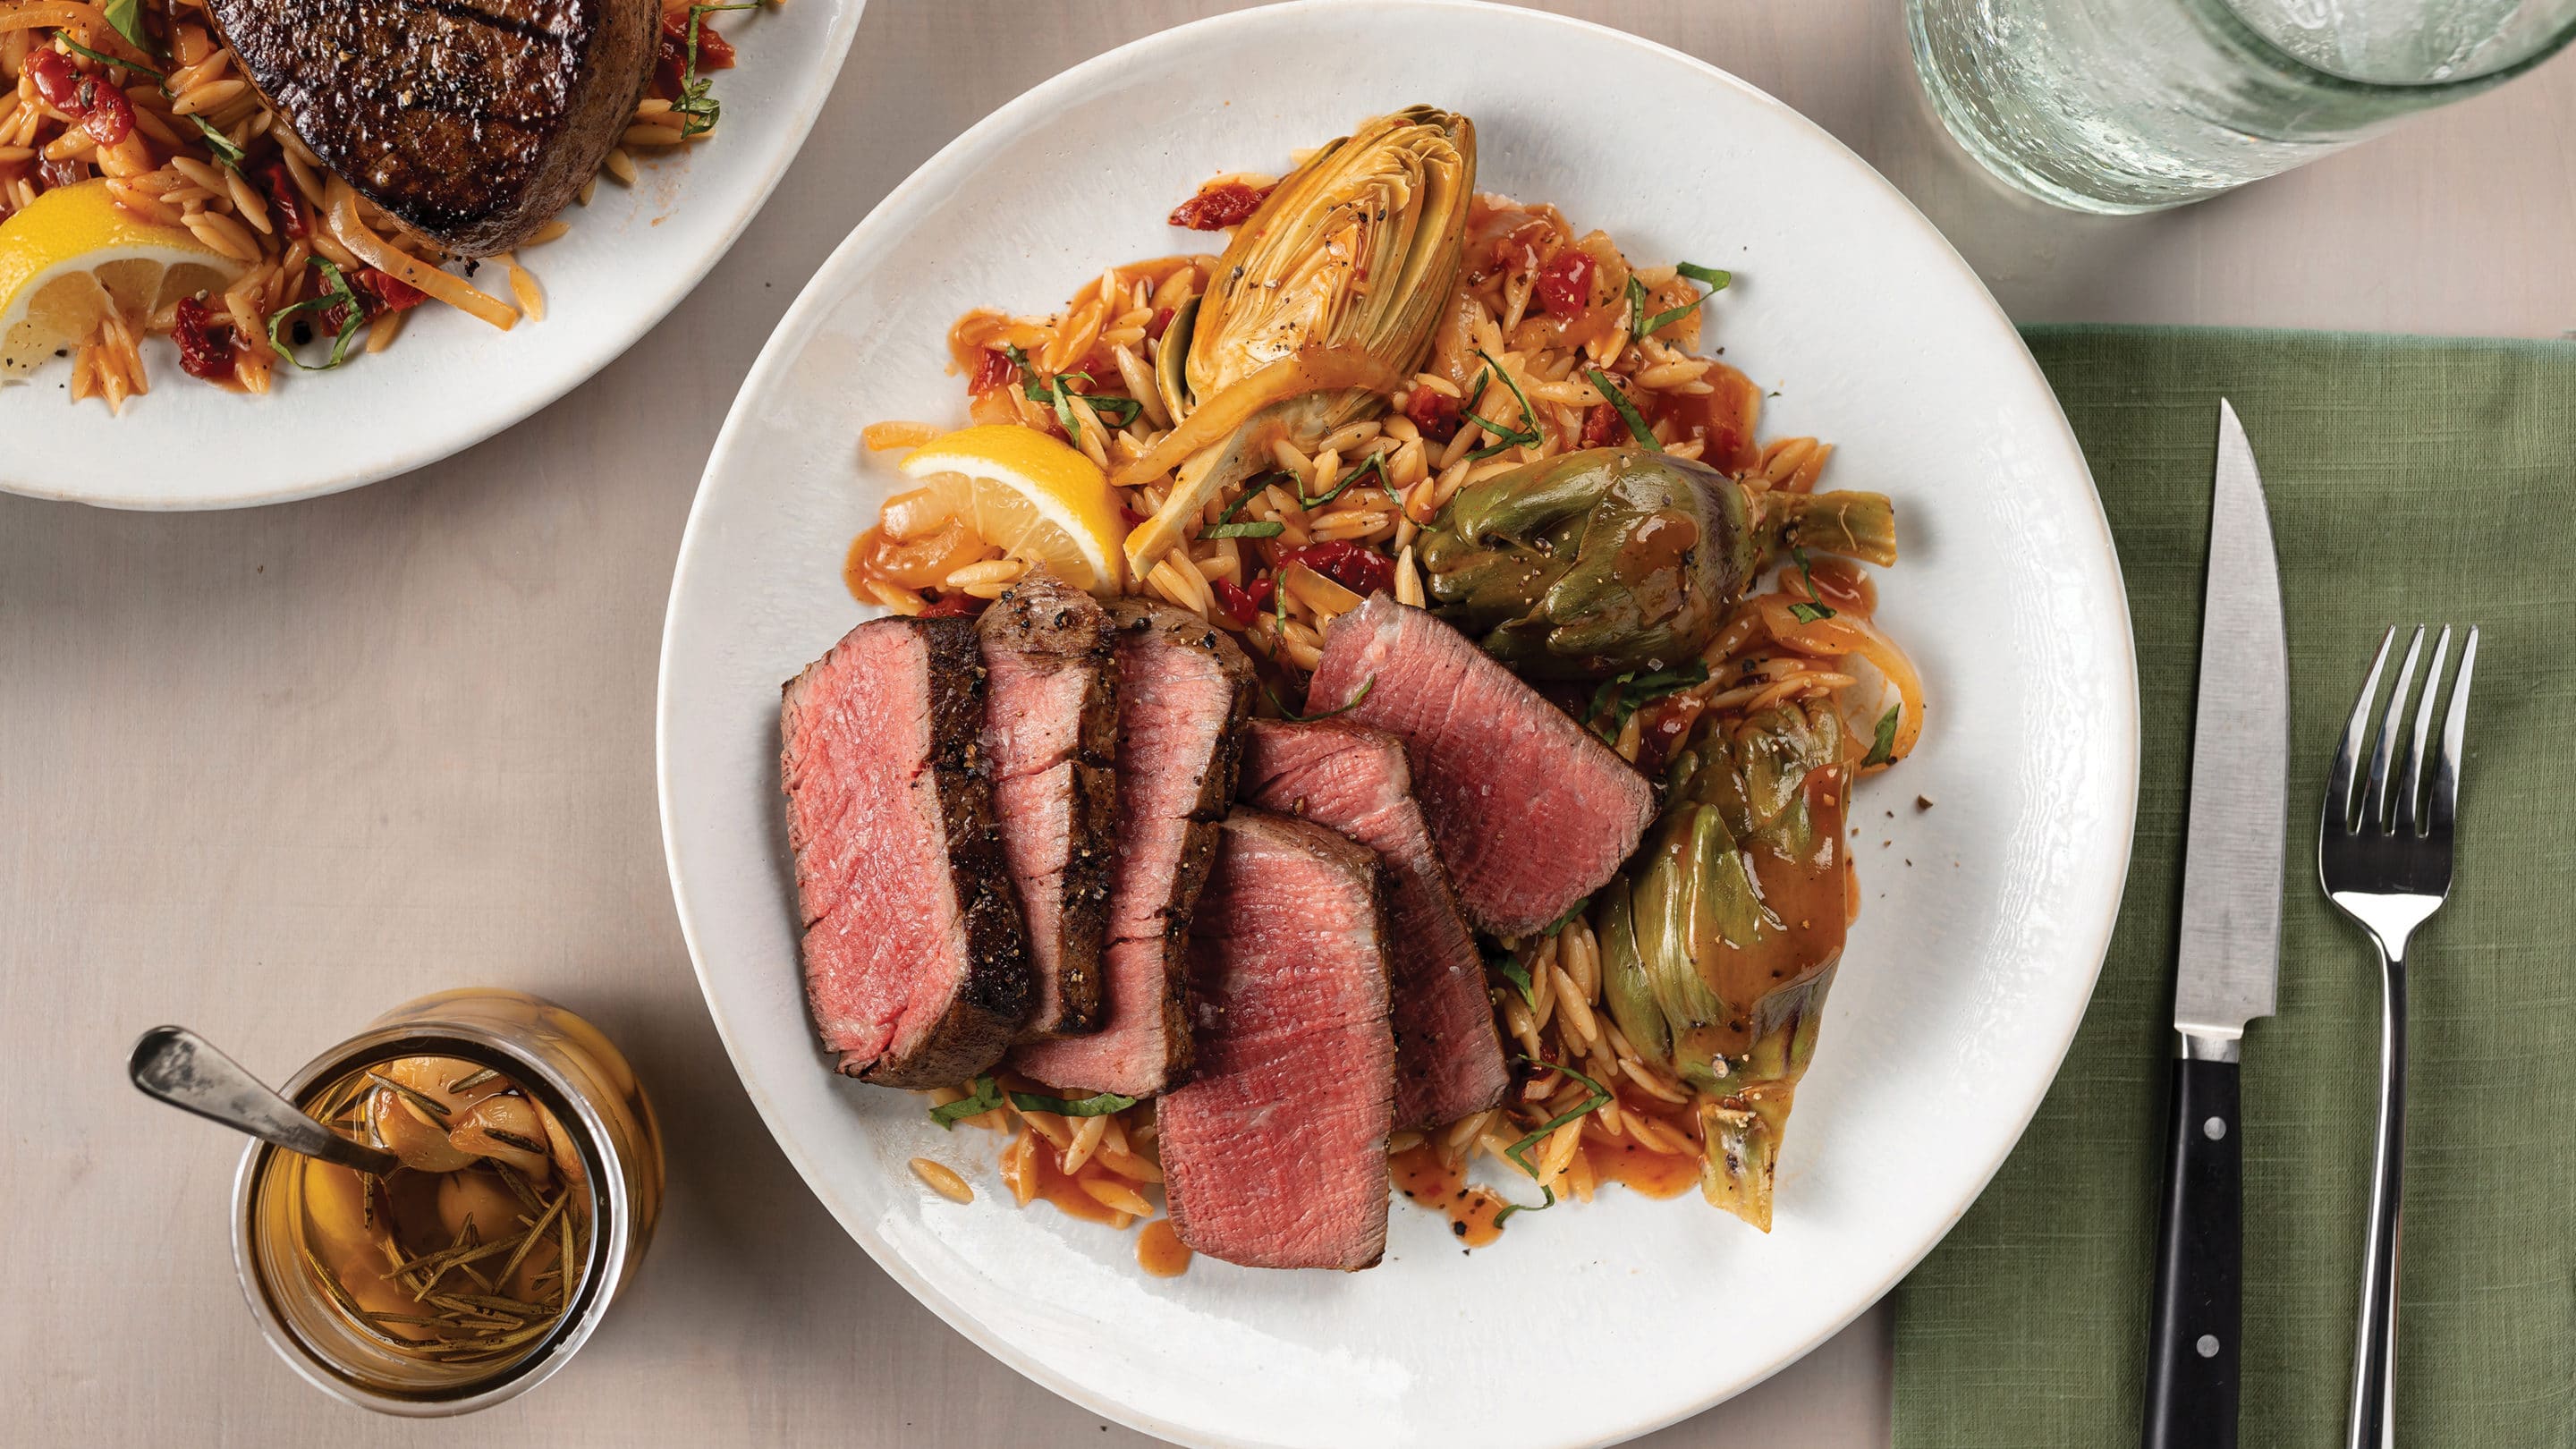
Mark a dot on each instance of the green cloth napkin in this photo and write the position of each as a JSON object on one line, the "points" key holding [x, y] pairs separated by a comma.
{"points": [[2410, 480]]}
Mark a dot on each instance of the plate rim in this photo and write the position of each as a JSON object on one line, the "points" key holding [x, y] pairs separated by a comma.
{"points": [[798, 321], [837, 43]]}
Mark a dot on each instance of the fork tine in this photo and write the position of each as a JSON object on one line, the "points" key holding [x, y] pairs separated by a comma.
{"points": [[2383, 750], [2455, 723], [2341, 775], [2410, 776]]}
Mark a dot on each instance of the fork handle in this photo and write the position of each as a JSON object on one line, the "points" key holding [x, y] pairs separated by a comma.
{"points": [[2373, 1424], [2192, 1350]]}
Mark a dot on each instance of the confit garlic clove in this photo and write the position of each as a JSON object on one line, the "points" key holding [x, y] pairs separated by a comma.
{"points": [[507, 1130], [405, 1130]]}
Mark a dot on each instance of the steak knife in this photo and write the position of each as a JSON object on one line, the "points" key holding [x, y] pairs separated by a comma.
{"points": [[2228, 961]]}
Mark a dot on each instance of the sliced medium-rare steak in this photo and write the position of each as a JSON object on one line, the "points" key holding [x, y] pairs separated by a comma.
{"points": [[1352, 778], [1530, 812], [1274, 1154], [915, 966], [1184, 692], [472, 121], [1051, 729]]}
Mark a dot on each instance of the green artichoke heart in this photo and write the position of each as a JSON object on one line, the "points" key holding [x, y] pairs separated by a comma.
{"points": [[1719, 941], [1592, 563]]}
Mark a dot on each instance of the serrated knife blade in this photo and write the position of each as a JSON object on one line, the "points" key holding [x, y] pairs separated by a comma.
{"points": [[2228, 966]]}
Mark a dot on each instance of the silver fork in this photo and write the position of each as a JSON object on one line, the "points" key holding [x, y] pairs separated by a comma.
{"points": [[2387, 864]]}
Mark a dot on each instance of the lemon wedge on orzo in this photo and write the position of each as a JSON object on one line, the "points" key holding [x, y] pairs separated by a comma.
{"points": [[1032, 497], [72, 254]]}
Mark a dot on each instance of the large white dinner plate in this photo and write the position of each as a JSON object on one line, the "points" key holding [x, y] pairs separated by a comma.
{"points": [[451, 381], [1985, 919]]}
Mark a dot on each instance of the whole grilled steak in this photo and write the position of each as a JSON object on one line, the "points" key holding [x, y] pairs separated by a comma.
{"points": [[471, 122], [1529, 812], [1051, 729], [1274, 1154], [1184, 692], [1353, 779], [915, 965]]}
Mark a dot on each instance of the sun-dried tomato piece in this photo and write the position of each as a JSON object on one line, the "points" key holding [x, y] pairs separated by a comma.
{"points": [[1215, 208], [1158, 324], [959, 605], [671, 62], [1233, 601], [992, 369], [1435, 412], [1363, 571], [1565, 283], [284, 199], [395, 294], [1602, 426], [205, 347], [57, 84], [105, 112]]}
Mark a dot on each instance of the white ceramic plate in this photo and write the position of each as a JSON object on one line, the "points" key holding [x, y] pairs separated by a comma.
{"points": [[1985, 920], [450, 381]]}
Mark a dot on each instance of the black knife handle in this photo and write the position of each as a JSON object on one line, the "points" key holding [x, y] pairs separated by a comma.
{"points": [[2200, 1258]]}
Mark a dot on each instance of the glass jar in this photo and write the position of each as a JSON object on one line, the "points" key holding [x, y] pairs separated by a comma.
{"points": [[569, 1069]]}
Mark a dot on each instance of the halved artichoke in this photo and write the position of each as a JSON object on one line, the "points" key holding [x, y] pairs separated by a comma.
{"points": [[1323, 304], [1588, 564], [1718, 940]]}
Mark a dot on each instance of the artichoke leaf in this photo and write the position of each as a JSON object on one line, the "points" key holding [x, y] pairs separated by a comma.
{"points": [[1348, 261], [1592, 563]]}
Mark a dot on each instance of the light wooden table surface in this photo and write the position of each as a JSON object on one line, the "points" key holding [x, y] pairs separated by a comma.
{"points": [[268, 772]]}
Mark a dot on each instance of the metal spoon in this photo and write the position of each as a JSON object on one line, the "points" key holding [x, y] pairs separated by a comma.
{"points": [[181, 1068]]}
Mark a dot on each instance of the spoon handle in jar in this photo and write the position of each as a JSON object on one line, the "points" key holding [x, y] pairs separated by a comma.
{"points": [[179, 1067]]}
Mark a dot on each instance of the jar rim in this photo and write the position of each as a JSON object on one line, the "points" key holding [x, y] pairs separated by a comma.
{"points": [[611, 1230]]}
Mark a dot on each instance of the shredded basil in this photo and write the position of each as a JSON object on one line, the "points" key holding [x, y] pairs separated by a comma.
{"points": [[1504, 438], [1815, 608], [1637, 428], [77, 48], [339, 292], [986, 1098], [1623, 695], [1376, 463], [1119, 410], [1716, 281], [1517, 974], [1344, 708], [1099, 1104], [1251, 528], [219, 143], [1637, 325], [127, 17], [697, 106], [1518, 1152], [1883, 749]]}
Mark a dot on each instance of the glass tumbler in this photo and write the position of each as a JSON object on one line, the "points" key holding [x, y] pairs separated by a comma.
{"points": [[569, 1068], [2137, 105]]}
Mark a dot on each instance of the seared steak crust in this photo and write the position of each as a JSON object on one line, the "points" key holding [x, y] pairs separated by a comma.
{"points": [[1051, 728], [912, 990], [1184, 694], [470, 122]]}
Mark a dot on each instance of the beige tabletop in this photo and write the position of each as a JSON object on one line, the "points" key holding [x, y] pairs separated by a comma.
{"points": [[268, 772]]}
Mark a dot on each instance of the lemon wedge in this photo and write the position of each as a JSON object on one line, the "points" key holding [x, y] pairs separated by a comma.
{"points": [[74, 253], [1033, 497]]}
